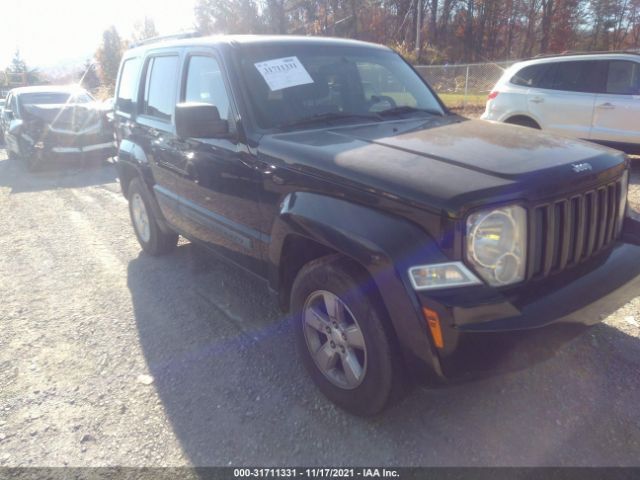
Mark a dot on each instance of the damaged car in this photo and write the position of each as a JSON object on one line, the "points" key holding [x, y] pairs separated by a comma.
{"points": [[44, 124]]}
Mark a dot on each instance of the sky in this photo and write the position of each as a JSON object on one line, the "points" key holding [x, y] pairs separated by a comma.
{"points": [[49, 32]]}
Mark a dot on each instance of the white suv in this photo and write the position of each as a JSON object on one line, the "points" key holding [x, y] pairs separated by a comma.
{"points": [[590, 96]]}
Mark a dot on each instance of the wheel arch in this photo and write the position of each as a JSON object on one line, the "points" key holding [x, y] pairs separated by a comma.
{"points": [[523, 117], [311, 225], [132, 162]]}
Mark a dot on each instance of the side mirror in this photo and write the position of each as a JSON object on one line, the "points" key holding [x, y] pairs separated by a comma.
{"points": [[200, 120], [8, 114]]}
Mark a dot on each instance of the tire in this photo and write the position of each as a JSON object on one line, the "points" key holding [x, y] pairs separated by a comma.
{"points": [[151, 238], [334, 280], [524, 122], [33, 164]]}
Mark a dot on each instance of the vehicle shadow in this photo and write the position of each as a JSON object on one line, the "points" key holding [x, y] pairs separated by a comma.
{"points": [[62, 174], [226, 370]]}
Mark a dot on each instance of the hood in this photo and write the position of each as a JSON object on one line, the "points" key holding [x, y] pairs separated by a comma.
{"points": [[449, 164], [68, 116]]}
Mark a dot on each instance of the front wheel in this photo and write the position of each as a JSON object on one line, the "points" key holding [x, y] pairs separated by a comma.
{"points": [[151, 238], [343, 339]]}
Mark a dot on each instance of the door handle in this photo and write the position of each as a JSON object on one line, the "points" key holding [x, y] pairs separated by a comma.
{"points": [[607, 106], [536, 100]]}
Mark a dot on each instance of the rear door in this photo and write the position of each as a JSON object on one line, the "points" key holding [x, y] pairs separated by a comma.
{"points": [[617, 110], [566, 95], [154, 129]]}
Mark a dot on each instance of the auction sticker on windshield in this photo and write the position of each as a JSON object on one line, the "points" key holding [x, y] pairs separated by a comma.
{"points": [[283, 73]]}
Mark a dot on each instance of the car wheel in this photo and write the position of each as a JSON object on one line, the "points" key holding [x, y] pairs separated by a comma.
{"points": [[152, 239], [524, 122], [342, 337]]}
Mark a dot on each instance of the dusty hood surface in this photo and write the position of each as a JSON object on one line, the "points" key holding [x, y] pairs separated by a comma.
{"points": [[451, 161]]}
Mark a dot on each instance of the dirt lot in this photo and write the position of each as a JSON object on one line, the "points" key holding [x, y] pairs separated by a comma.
{"points": [[110, 357]]}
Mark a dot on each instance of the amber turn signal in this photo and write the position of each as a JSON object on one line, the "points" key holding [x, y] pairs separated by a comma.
{"points": [[433, 321]]}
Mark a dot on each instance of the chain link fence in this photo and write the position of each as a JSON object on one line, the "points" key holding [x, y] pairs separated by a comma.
{"points": [[464, 86]]}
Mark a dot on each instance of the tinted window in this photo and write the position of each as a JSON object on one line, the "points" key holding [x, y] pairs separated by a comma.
{"points": [[529, 76], [160, 87], [580, 76], [127, 86], [206, 85], [623, 78]]}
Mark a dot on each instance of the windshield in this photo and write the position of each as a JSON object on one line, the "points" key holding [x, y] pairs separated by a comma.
{"points": [[287, 85], [47, 98]]}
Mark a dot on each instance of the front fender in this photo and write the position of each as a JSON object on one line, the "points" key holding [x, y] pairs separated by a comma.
{"points": [[385, 245]]}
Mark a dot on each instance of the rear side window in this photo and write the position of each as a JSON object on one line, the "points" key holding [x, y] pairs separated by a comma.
{"points": [[205, 84], [623, 78], [160, 87], [127, 87], [529, 76], [578, 76]]}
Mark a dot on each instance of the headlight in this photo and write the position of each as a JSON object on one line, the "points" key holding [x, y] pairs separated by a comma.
{"points": [[497, 244]]}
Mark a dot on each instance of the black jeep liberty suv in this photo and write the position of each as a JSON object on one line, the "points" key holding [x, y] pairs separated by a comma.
{"points": [[392, 230]]}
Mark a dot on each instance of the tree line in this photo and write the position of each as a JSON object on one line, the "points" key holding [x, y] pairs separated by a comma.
{"points": [[451, 31]]}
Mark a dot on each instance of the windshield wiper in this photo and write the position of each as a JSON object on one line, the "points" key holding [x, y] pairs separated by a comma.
{"points": [[407, 109], [329, 116]]}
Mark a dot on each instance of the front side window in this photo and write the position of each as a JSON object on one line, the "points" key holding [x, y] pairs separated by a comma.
{"points": [[205, 84], [127, 86], [287, 85], [160, 87], [623, 78]]}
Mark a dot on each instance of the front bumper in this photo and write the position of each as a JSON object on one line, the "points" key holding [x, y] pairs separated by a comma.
{"points": [[96, 142], [104, 149], [582, 295]]}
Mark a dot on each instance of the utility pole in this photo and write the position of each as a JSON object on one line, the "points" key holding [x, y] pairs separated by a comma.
{"points": [[418, 22]]}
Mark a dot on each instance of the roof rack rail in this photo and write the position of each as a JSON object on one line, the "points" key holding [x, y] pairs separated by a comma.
{"points": [[162, 38], [632, 51]]}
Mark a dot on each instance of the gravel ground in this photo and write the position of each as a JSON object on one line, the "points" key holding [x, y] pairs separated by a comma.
{"points": [[109, 357]]}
